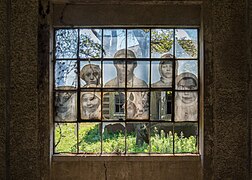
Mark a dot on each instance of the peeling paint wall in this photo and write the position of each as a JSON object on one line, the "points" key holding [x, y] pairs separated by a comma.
{"points": [[26, 98]]}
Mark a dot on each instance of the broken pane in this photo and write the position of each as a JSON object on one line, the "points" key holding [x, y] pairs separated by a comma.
{"points": [[186, 106], [65, 74], [113, 135], [113, 41], [65, 106], [138, 105], [90, 105], [162, 138], [90, 74], [186, 138], [161, 74], [138, 41], [90, 43], [161, 42], [89, 138], [66, 43], [186, 43], [65, 138], [113, 105], [161, 105], [137, 138]]}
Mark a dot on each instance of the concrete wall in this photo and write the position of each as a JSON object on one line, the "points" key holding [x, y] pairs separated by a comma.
{"points": [[24, 102], [226, 90], [3, 56]]}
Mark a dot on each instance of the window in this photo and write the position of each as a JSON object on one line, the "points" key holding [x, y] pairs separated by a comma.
{"points": [[126, 90]]}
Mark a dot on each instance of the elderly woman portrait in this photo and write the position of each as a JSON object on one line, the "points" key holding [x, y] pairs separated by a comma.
{"points": [[65, 106], [120, 65], [91, 74], [186, 101], [165, 71], [91, 105]]}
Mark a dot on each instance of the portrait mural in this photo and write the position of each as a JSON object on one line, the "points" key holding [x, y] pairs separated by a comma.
{"points": [[91, 74], [165, 71], [65, 106], [137, 103], [91, 105], [186, 101]]}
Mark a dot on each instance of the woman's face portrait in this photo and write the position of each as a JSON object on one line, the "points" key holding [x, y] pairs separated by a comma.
{"points": [[92, 76], [187, 84], [166, 70], [90, 102], [63, 102]]}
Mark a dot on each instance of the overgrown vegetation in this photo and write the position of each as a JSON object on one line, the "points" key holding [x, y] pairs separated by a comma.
{"points": [[90, 141]]}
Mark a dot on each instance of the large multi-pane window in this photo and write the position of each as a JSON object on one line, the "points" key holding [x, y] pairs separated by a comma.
{"points": [[126, 90]]}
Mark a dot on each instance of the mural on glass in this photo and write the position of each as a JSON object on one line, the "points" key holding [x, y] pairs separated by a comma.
{"points": [[90, 105], [65, 106], [90, 74]]}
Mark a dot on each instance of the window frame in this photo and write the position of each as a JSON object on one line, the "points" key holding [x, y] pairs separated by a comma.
{"points": [[173, 89]]}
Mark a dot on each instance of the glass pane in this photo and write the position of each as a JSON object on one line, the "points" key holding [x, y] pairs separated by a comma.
{"points": [[113, 41], [90, 43], [137, 138], [65, 139], [89, 138], [186, 106], [186, 43], [161, 105], [187, 73], [113, 105], [161, 74], [185, 138], [66, 43], [138, 105], [161, 42], [65, 106], [138, 73], [161, 137], [90, 105], [113, 135], [90, 74], [138, 41], [114, 74], [65, 74]]}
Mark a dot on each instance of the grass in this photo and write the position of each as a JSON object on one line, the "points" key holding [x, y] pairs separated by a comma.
{"points": [[90, 141]]}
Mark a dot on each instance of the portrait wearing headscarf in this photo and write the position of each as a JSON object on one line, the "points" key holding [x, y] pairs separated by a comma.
{"points": [[186, 102], [91, 105]]}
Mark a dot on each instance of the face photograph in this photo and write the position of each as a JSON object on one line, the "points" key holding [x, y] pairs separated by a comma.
{"points": [[90, 102], [91, 74], [65, 106], [166, 70], [187, 84]]}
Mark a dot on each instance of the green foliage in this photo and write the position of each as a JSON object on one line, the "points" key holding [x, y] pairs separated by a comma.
{"points": [[88, 48], [188, 46], [161, 41], [90, 141]]}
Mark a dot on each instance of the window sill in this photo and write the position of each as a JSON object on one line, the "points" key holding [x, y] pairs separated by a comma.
{"points": [[128, 157]]}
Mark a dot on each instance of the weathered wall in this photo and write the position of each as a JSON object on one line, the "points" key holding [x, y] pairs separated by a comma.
{"points": [[226, 88], [127, 170], [23, 130], [226, 137], [3, 33]]}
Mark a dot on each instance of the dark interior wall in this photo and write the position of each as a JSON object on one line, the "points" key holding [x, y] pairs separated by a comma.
{"points": [[3, 15], [226, 90], [24, 111]]}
